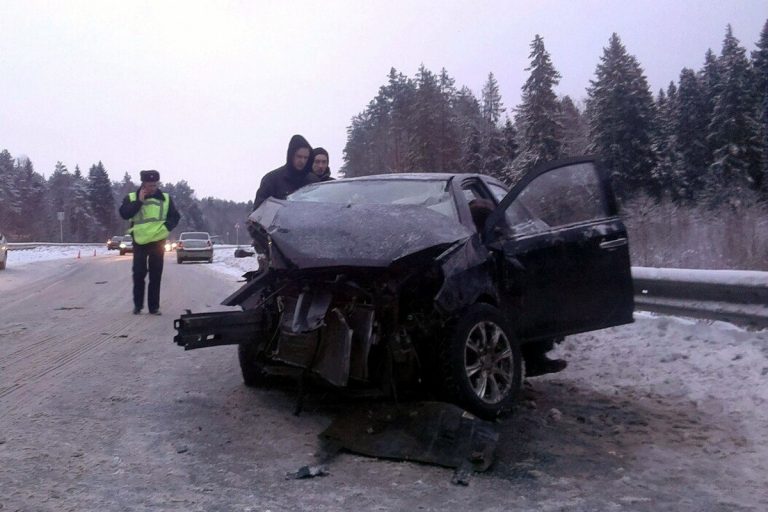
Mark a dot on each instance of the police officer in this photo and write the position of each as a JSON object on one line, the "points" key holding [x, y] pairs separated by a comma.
{"points": [[153, 216]]}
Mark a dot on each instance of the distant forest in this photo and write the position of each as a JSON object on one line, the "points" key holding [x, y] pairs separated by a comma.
{"points": [[29, 205], [689, 164]]}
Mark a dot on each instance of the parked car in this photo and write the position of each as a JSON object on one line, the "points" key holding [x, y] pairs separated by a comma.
{"points": [[3, 251], [114, 243], [392, 280], [126, 245], [194, 245]]}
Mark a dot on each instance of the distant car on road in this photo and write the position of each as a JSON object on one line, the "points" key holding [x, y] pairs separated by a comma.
{"points": [[194, 245], [114, 243], [126, 245], [3, 251]]}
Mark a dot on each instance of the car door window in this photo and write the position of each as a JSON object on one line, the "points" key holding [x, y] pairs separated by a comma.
{"points": [[562, 196]]}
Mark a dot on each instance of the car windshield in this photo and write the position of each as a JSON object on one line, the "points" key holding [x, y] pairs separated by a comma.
{"points": [[194, 236], [432, 194]]}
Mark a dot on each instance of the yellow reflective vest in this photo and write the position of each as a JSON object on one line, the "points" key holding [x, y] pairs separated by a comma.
{"points": [[149, 224]]}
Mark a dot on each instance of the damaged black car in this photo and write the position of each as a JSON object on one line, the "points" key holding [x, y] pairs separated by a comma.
{"points": [[427, 280]]}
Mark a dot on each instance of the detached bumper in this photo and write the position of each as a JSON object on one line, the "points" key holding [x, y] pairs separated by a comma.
{"points": [[200, 330]]}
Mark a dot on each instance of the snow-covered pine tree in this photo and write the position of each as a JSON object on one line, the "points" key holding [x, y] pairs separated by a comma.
{"points": [[424, 122], [33, 211], [538, 117], [101, 200], [9, 193], [59, 199], [621, 114], [667, 177], [733, 130], [689, 125], [760, 66], [83, 225], [575, 139], [492, 142]]}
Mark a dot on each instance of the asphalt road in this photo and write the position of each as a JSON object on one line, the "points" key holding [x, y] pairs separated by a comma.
{"points": [[99, 410]]}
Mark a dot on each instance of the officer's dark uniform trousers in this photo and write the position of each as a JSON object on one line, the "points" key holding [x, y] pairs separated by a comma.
{"points": [[148, 256]]}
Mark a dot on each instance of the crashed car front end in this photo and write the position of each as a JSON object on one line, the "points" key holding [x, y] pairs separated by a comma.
{"points": [[356, 292], [356, 289]]}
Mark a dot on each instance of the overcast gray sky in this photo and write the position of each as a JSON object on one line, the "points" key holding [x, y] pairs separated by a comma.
{"points": [[211, 92]]}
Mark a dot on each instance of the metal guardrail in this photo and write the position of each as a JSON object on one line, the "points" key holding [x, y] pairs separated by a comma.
{"points": [[18, 246], [739, 297]]}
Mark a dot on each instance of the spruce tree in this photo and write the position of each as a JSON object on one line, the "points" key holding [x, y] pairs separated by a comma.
{"points": [[575, 128], [760, 66], [689, 125], [538, 117], [492, 142], [59, 197], [33, 207], [620, 109], [424, 124], [101, 200], [733, 129], [9, 193]]}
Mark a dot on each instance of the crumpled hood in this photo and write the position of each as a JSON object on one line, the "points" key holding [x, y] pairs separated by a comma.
{"points": [[312, 235]]}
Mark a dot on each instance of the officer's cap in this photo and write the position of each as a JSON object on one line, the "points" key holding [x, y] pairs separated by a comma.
{"points": [[149, 175]]}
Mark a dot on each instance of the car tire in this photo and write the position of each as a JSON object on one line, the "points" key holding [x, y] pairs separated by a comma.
{"points": [[210, 260], [253, 373], [479, 362], [122, 253]]}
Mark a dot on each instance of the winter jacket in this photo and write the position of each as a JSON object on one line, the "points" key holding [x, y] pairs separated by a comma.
{"points": [[130, 209], [314, 178], [283, 180]]}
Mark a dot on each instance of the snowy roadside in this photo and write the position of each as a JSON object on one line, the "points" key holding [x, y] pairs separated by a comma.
{"points": [[224, 260]]}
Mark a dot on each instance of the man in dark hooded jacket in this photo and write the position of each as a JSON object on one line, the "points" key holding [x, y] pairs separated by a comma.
{"points": [[288, 178], [320, 169]]}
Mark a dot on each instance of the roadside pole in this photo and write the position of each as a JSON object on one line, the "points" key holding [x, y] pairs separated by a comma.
{"points": [[60, 216]]}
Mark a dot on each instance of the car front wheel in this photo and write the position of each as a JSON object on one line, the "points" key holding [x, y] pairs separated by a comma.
{"points": [[480, 362], [253, 373]]}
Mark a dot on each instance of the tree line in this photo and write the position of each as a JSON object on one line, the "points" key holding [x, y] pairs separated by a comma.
{"points": [[689, 164], [701, 139], [30, 204]]}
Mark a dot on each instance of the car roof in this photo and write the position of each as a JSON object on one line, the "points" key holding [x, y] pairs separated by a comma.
{"points": [[418, 176]]}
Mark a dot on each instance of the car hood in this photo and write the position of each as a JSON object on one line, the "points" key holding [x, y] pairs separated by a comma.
{"points": [[313, 235]]}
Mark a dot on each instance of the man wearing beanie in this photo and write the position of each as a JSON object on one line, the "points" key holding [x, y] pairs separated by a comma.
{"points": [[320, 169], [153, 216], [288, 178]]}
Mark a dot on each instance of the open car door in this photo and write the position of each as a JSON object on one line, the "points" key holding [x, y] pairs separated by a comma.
{"points": [[564, 251]]}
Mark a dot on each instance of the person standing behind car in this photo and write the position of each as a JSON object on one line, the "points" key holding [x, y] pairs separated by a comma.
{"points": [[320, 169], [288, 178], [153, 216]]}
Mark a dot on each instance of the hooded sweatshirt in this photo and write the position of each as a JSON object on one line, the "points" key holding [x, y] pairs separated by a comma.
{"points": [[311, 176], [284, 180]]}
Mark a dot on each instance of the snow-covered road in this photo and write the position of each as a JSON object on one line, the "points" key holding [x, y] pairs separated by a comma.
{"points": [[101, 411]]}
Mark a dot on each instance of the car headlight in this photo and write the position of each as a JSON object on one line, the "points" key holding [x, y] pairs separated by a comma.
{"points": [[122, 245]]}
